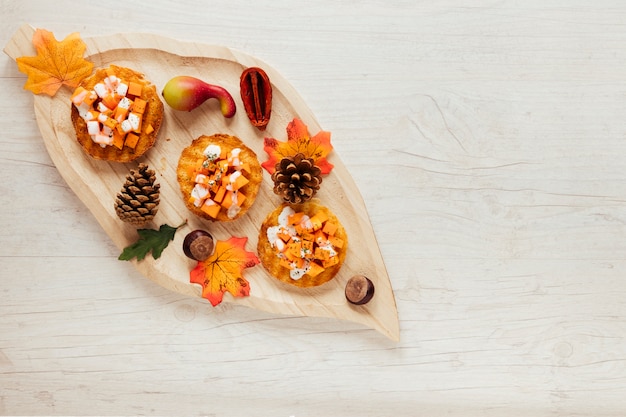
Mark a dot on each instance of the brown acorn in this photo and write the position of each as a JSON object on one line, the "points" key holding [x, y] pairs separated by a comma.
{"points": [[359, 290], [198, 245]]}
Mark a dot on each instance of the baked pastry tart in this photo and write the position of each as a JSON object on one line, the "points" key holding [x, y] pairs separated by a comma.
{"points": [[117, 114], [219, 177], [303, 245]]}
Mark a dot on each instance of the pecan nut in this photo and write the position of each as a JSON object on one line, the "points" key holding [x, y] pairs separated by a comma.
{"points": [[256, 94]]}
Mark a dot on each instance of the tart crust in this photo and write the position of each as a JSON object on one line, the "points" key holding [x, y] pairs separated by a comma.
{"points": [[271, 262], [189, 159], [153, 116]]}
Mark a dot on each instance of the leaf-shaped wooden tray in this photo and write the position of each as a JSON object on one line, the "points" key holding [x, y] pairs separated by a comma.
{"points": [[96, 183]]}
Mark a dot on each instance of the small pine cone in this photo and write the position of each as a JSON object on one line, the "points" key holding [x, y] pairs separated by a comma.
{"points": [[138, 201], [296, 178]]}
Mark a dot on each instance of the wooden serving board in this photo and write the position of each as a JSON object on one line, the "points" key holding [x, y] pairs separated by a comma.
{"points": [[97, 183]]}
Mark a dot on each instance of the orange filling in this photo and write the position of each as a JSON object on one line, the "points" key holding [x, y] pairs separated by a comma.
{"points": [[305, 245], [113, 111], [218, 180]]}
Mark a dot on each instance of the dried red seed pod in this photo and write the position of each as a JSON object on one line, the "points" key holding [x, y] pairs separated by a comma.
{"points": [[256, 94]]}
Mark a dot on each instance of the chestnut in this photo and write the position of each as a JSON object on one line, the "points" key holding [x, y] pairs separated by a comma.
{"points": [[359, 290], [198, 245]]}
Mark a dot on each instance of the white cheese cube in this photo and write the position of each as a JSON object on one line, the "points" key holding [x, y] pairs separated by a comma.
{"points": [[93, 127], [83, 110], [122, 89], [135, 121], [126, 126], [102, 108], [125, 103], [100, 89]]}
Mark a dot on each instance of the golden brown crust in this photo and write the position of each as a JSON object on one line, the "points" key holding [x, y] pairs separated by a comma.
{"points": [[153, 116], [193, 153], [271, 262]]}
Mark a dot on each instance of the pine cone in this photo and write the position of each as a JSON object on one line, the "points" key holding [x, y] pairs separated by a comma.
{"points": [[138, 201], [296, 178]]}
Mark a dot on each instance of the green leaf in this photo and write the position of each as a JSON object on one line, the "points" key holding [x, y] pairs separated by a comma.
{"points": [[150, 240]]}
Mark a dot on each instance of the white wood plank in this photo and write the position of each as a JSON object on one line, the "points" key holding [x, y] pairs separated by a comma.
{"points": [[488, 144]]}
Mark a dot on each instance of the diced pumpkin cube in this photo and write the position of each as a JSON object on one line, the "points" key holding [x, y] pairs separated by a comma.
{"points": [[329, 228], [240, 198], [290, 256], [307, 248], [111, 100], [320, 237], [233, 195], [244, 166], [295, 219], [299, 263], [211, 208], [110, 123], [316, 223], [219, 196], [240, 182], [118, 139], [335, 241], [149, 129], [314, 269], [139, 105], [294, 248], [135, 89], [286, 263], [321, 216], [120, 115], [322, 254], [284, 235], [131, 140], [90, 98], [222, 165], [327, 263]]}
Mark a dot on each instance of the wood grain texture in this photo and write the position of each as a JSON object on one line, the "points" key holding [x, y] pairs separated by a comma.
{"points": [[488, 143], [96, 182]]}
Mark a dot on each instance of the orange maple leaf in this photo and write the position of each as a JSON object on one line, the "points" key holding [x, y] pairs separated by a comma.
{"points": [[299, 141], [56, 63], [222, 271]]}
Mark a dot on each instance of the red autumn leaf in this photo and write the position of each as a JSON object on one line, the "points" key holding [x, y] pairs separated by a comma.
{"points": [[56, 63], [222, 271], [299, 141]]}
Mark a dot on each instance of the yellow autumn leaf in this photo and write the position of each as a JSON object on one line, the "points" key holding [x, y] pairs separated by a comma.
{"points": [[56, 63]]}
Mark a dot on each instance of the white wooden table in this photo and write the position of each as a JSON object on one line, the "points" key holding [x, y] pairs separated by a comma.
{"points": [[489, 143]]}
